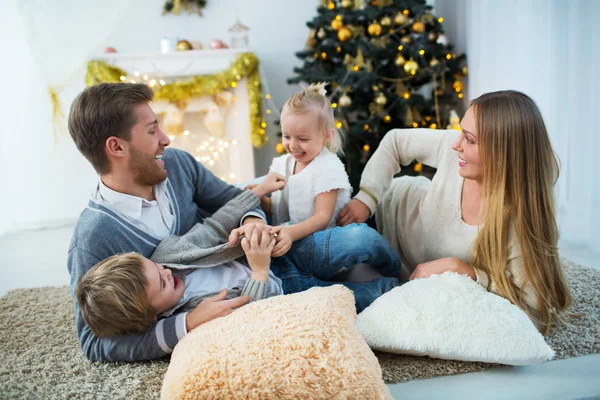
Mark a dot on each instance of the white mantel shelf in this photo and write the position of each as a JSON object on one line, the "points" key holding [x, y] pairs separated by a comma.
{"points": [[196, 62]]}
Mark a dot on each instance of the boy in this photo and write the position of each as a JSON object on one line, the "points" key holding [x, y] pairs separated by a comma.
{"points": [[127, 292]]}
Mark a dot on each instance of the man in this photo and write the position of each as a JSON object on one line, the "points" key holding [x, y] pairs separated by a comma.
{"points": [[145, 192]]}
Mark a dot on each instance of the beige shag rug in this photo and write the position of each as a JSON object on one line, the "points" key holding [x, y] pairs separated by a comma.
{"points": [[40, 356]]}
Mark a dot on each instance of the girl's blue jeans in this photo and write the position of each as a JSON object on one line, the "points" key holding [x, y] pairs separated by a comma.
{"points": [[316, 259]]}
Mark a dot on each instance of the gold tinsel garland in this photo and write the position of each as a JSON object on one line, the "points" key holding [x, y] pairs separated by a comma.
{"points": [[246, 66]]}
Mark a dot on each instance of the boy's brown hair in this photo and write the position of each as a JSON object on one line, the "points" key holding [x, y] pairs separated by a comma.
{"points": [[112, 296], [102, 111]]}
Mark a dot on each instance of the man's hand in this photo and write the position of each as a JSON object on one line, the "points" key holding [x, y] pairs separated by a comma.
{"points": [[258, 250], [271, 183], [284, 240], [247, 229], [212, 308], [442, 265], [355, 211]]}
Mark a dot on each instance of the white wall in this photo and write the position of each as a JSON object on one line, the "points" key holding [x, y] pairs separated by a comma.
{"points": [[47, 182]]}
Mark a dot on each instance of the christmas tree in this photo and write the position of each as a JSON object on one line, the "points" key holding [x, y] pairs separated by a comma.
{"points": [[388, 66]]}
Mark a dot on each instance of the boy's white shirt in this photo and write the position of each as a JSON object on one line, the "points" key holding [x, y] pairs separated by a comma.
{"points": [[296, 203]]}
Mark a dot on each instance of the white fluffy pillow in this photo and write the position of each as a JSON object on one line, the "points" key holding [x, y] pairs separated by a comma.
{"points": [[449, 316]]}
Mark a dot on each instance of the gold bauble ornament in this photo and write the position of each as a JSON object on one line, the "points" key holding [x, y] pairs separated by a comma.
{"points": [[344, 34], [386, 21], [183, 45], [400, 19], [434, 61], [347, 3], [381, 99], [457, 86], [432, 37], [406, 39], [400, 60], [411, 66], [418, 27], [279, 148], [321, 33], [465, 70], [337, 24], [374, 29], [345, 101]]}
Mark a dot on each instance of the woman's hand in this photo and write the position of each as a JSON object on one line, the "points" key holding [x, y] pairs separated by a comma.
{"points": [[442, 265], [355, 211], [284, 241]]}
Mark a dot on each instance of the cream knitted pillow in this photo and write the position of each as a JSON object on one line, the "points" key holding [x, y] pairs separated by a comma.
{"points": [[450, 316], [298, 346]]}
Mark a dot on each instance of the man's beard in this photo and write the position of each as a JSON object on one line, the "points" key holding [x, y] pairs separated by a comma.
{"points": [[144, 168]]}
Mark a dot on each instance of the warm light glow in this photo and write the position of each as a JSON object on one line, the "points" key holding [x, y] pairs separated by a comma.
{"points": [[233, 84], [264, 124], [145, 77], [338, 17], [152, 82], [238, 77], [186, 133], [366, 127], [172, 137], [448, 56], [400, 48], [267, 96], [323, 55], [163, 83], [415, 125], [132, 81], [197, 158], [460, 95], [331, 6], [413, 72], [333, 105], [406, 95], [136, 73], [366, 147], [421, 52], [405, 12], [387, 118], [440, 20], [211, 163], [338, 124], [232, 175], [226, 145], [234, 142], [123, 78], [338, 49], [355, 68], [433, 126], [268, 111]]}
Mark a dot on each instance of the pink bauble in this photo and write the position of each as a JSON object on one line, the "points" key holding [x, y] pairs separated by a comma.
{"points": [[217, 44], [110, 50]]}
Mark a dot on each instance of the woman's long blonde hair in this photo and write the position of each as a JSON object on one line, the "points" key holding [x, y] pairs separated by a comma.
{"points": [[519, 173]]}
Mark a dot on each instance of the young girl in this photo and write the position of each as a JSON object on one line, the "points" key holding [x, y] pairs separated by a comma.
{"points": [[317, 185], [310, 249]]}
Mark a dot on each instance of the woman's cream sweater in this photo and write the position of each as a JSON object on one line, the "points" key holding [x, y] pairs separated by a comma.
{"points": [[422, 219]]}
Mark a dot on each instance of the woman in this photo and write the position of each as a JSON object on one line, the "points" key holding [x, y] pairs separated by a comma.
{"points": [[489, 211]]}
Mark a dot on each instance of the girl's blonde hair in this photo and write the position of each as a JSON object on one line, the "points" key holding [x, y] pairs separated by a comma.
{"points": [[312, 100], [519, 173]]}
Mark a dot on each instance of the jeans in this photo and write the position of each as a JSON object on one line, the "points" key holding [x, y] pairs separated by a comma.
{"points": [[314, 260]]}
